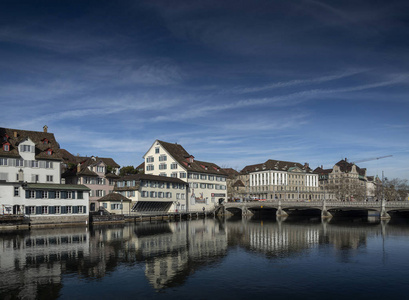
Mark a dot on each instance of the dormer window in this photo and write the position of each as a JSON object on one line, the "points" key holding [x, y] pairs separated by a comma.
{"points": [[6, 147], [49, 151], [45, 141]]}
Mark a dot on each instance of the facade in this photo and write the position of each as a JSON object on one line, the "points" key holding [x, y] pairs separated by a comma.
{"points": [[281, 180], [207, 181], [344, 182], [115, 204], [30, 179], [96, 173], [151, 193]]}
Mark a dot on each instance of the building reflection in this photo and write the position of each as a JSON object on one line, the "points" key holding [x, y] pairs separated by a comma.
{"points": [[34, 263], [31, 263]]}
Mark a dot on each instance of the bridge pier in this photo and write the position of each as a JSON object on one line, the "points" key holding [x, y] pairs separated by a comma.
{"points": [[246, 212], [384, 214], [280, 212], [325, 214]]}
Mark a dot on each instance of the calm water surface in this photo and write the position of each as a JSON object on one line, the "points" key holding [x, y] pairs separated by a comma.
{"points": [[209, 258]]}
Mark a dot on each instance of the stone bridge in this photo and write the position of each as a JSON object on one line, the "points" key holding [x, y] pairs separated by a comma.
{"points": [[284, 208]]}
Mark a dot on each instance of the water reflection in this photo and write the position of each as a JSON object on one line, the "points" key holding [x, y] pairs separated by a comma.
{"points": [[34, 264]]}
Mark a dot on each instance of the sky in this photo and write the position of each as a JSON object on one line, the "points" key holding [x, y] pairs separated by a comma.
{"points": [[234, 82]]}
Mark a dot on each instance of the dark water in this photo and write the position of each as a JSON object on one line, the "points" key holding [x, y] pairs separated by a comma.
{"points": [[209, 259]]}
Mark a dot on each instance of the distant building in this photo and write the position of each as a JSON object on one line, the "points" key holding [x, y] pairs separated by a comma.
{"points": [[344, 182], [207, 181], [236, 188], [151, 193], [30, 179], [281, 180], [97, 173]]}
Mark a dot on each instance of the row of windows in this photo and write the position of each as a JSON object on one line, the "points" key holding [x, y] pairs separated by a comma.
{"points": [[162, 185], [93, 180], [195, 185], [13, 162], [41, 194], [153, 194], [206, 177], [45, 210]]}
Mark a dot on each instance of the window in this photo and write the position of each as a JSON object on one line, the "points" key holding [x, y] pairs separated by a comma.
{"points": [[150, 159], [149, 168], [49, 178], [99, 193], [3, 161], [210, 186], [58, 209], [19, 162], [195, 176], [182, 175], [34, 164], [16, 191], [182, 196], [49, 152], [203, 177], [157, 150], [168, 195], [160, 195], [101, 181], [80, 195], [25, 148], [69, 209], [177, 196], [44, 209], [80, 209], [174, 166], [144, 194], [34, 177], [6, 147], [163, 157], [101, 169], [174, 174], [44, 194], [162, 167], [162, 174], [203, 185], [153, 194]]}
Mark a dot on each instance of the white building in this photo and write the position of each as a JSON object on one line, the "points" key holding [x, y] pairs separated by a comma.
{"points": [[150, 193], [282, 180], [207, 181], [30, 175]]}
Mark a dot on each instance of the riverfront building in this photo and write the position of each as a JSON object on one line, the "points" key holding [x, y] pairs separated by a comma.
{"points": [[151, 193], [30, 179], [96, 173], [281, 180], [207, 181], [344, 182]]}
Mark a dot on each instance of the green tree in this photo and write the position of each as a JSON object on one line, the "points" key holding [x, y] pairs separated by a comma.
{"points": [[128, 170]]}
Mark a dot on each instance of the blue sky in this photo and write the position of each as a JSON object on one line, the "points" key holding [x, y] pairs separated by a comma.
{"points": [[234, 82]]}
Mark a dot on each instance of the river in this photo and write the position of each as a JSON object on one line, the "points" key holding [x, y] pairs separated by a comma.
{"points": [[232, 258]]}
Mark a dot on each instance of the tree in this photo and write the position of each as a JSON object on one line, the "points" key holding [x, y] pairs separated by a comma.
{"points": [[128, 170], [396, 189]]}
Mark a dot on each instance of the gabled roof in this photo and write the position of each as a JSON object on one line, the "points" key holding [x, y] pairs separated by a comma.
{"points": [[275, 165], [322, 171], [238, 183], [346, 167], [114, 197], [15, 136], [182, 157]]}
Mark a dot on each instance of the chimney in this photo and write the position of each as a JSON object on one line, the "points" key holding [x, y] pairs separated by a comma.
{"points": [[346, 160], [306, 165], [15, 134], [78, 167], [322, 167], [45, 128]]}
